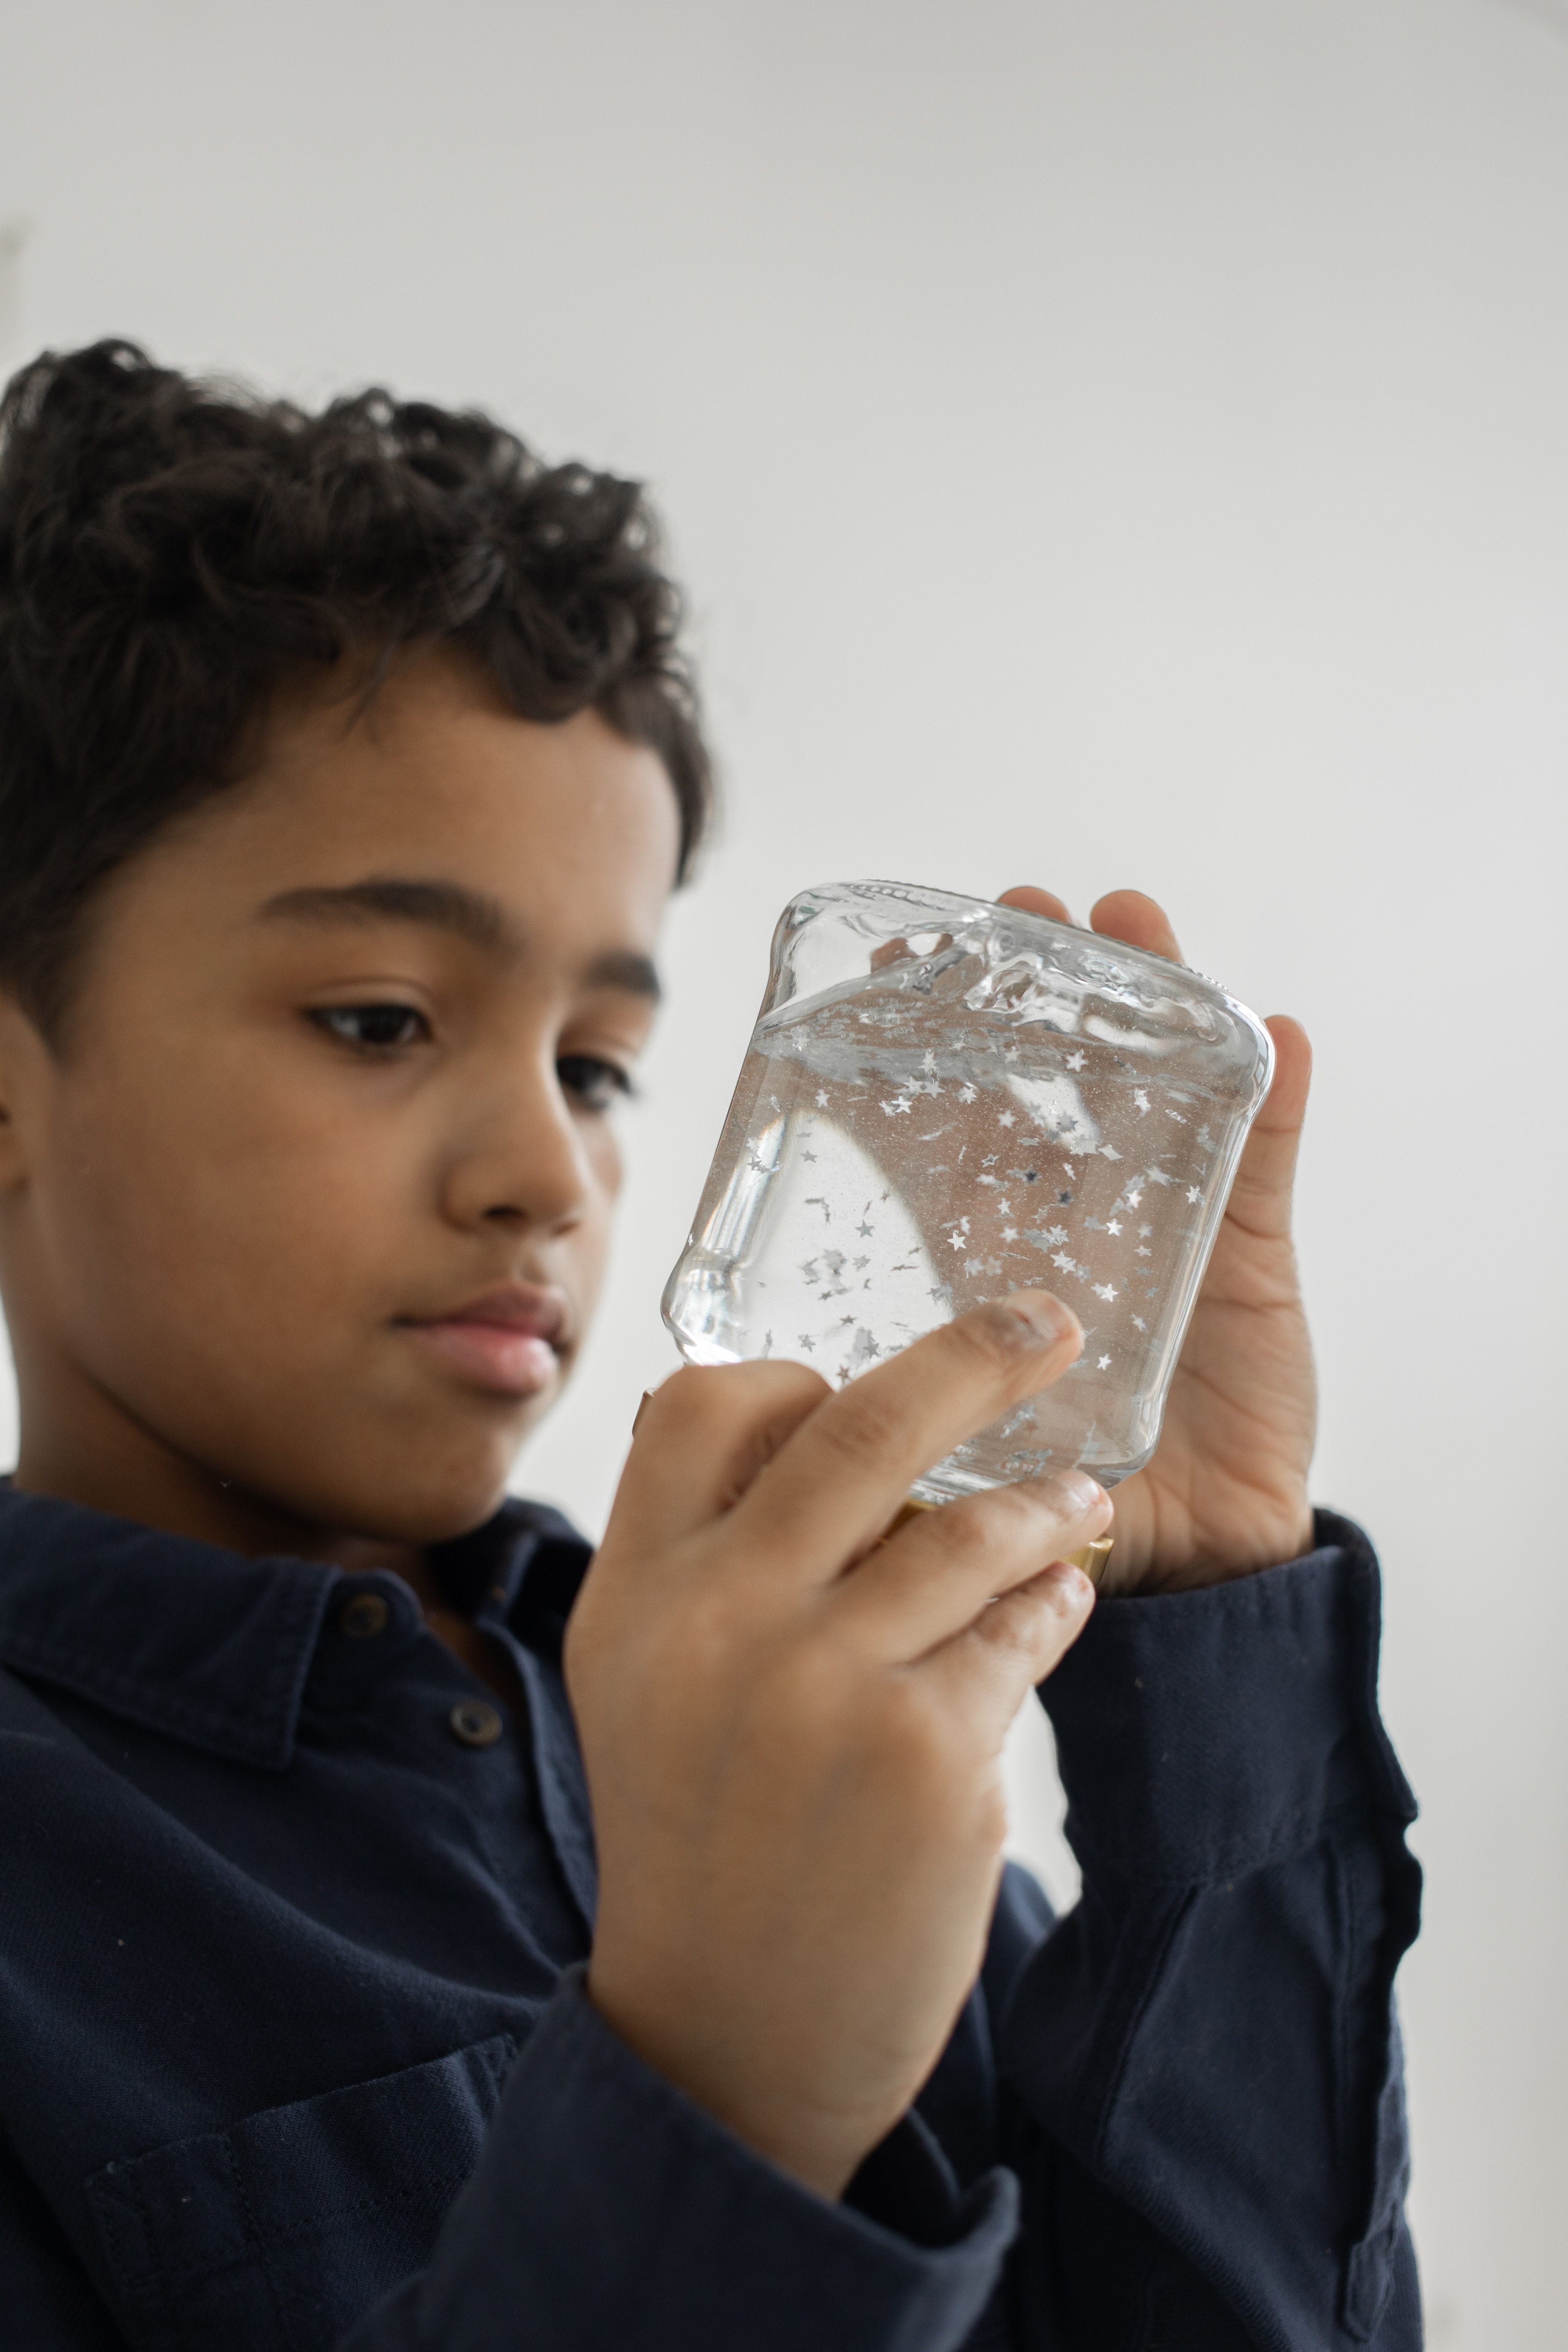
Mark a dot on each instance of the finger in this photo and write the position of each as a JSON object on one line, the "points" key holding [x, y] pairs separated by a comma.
{"points": [[1260, 1196], [837, 1482], [1138, 921], [701, 1439], [1034, 902], [984, 1675], [932, 1579]]}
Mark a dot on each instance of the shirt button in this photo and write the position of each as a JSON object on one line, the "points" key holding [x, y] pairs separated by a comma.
{"points": [[364, 1617], [475, 1722]]}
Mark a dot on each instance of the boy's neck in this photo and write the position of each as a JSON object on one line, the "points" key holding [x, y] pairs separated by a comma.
{"points": [[159, 1489], [97, 1456], [118, 1468]]}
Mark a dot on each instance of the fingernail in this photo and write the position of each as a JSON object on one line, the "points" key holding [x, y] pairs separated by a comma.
{"points": [[1078, 1493], [1073, 1587], [646, 1401], [1044, 1318]]}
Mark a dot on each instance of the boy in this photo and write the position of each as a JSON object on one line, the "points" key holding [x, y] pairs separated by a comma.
{"points": [[345, 765]]}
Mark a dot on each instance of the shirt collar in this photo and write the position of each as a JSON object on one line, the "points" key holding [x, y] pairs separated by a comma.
{"points": [[213, 1647]]}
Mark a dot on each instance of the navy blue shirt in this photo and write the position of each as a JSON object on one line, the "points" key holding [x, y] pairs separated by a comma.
{"points": [[294, 2052]]}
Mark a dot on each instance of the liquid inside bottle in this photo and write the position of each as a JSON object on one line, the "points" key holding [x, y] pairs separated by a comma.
{"points": [[947, 1126]]}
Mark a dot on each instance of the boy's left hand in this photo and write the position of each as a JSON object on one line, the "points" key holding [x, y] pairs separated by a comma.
{"points": [[1226, 1490]]}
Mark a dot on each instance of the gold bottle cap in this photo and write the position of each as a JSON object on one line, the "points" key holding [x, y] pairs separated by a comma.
{"points": [[1089, 1557]]}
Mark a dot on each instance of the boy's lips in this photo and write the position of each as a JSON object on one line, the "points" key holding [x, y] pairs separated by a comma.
{"points": [[506, 1339]]}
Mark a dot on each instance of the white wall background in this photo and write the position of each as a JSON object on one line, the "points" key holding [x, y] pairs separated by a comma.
{"points": [[1108, 441]]}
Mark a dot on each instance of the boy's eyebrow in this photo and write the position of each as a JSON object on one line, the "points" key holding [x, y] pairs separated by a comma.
{"points": [[472, 916], [469, 915], [624, 968]]}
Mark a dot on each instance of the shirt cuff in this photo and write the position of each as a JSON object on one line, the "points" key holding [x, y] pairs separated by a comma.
{"points": [[1209, 1733], [609, 2209]]}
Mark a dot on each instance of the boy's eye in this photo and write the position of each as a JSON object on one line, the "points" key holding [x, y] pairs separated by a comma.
{"points": [[595, 1082], [373, 1026]]}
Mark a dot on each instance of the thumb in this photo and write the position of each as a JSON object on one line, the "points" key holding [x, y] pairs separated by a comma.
{"points": [[1260, 1197]]}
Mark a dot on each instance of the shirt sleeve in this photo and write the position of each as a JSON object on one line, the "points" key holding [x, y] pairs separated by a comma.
{"points": [[1201, 2079], [609, 2210]]}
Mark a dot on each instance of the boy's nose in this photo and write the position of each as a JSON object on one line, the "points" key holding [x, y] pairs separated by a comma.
{"points": [[524, 1161]]}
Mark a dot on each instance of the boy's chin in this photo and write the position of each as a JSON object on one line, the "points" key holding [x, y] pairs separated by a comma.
{"points": [[426, 1520], [414, 1506], [399, 1494]]}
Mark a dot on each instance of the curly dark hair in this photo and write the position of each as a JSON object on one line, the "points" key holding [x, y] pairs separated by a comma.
{"points": [[175, 553]]}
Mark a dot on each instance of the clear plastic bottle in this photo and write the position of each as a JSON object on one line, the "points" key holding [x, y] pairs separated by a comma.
{"points": [[944, 1100]]}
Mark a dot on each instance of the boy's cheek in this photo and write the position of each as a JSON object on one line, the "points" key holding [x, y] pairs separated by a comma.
{"points": [[230, 1266], [252, 1325]]}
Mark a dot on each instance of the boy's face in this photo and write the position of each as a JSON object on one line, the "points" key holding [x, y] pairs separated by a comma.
{"points": [[301, 1226]]}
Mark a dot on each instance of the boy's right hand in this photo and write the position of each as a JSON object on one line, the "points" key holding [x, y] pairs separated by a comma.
{"points": [[793, 1733]]}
